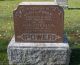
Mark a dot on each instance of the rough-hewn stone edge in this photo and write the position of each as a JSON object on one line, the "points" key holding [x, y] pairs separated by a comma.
{"points": [[11, 49], [17, 46]]}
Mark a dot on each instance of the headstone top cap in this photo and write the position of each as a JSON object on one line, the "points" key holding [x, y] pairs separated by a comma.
{"points": [[38, 3]]}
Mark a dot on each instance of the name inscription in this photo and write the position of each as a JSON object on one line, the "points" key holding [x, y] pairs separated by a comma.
{"points": [[39, 37]]}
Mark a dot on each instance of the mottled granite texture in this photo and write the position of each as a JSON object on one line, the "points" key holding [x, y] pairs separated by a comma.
{"points": [[38, 53]]}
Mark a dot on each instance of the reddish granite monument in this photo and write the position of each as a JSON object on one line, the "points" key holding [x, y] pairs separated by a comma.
{"points": [[41, 23], [39, 38]]}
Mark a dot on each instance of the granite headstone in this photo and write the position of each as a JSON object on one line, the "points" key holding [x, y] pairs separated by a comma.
{"points": [[41, 23], [35, 23]]}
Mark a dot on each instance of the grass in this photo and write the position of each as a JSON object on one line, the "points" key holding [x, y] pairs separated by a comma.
{"points": [[3, 58], [71, 23], [74, 3], [72, 26], [75, 57]]}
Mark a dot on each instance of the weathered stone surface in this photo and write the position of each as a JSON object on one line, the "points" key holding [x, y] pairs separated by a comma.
{"points": [[34, 24], [39, 22], [34, 54]]}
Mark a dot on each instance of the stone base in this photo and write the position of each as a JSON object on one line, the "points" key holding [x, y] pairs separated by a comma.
{"points": [[38, 53]]}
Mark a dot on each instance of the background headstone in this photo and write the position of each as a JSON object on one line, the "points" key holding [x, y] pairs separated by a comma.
{"points": [[63, 3], [41, 23]]}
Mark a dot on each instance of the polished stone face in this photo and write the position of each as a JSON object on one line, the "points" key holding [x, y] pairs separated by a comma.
{"points": [[39, 23]]}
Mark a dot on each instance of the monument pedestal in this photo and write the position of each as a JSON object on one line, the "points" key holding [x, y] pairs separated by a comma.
{"points": [[38, 53]]}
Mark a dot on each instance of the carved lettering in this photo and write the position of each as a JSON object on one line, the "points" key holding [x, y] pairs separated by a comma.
{"points": [[39, 23], [39, 37]]}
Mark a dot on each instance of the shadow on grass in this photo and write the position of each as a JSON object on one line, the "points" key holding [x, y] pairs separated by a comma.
{"points": [[75, 56], [74, 8], [3, 51], [3, 44]]}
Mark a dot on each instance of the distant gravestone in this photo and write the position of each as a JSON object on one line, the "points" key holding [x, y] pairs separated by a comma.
{"points": [[63, 3], [41, 23]]}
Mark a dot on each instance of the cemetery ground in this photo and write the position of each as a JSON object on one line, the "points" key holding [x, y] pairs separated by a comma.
{"points": [[71, 29]]}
